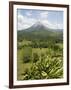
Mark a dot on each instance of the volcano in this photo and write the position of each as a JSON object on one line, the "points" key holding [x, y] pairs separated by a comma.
{"points": [[39, 30]]}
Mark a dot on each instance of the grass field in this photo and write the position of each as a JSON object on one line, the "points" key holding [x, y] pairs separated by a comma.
{"points": [[44, 63]]}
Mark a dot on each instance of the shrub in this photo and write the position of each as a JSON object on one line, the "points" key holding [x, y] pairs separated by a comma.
{"points": [[27, 54], [27, 58], [48, 68], [35, 57]]}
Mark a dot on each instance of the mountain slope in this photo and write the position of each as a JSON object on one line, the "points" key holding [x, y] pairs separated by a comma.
{"points": [[39, 31]]}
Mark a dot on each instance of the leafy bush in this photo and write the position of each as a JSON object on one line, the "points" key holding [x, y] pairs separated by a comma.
{"points": [[26, 58], [46, 68], [35, 57]]}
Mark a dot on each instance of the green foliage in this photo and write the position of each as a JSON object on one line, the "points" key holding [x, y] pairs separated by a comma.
{"points": [[27, 58], [26, 54], [40, 54], [40, 34], [45, 68], [35, 57]]}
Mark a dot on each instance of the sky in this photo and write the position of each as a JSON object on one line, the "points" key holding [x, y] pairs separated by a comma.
{"points": [[27, 17]]}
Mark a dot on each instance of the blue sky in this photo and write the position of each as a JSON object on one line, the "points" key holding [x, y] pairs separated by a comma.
{"points": [[51, 19]]}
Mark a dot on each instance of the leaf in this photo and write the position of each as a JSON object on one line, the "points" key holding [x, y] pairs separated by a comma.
{"points": [[44, 74]]}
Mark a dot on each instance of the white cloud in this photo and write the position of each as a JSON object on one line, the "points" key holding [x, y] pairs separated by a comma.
{"points": [[29, 13], [60, 26], [52, 26], [43, 15], [24, 22], [44, 20]]}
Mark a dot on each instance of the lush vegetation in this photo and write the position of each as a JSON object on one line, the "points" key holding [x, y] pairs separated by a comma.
{"points": [[39, 56]]}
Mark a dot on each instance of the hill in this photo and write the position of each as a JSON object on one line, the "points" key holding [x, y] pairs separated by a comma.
{"points": [[39, 31]]}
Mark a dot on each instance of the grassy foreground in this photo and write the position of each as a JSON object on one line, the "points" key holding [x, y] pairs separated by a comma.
{"points": [[39, 63]]}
